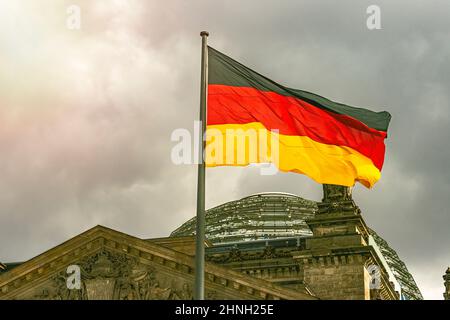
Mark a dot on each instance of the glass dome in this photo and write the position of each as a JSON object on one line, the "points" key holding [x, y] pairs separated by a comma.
{"points": [[259, 216]]}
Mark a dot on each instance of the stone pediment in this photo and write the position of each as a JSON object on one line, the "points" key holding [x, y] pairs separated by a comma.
{"points": [[114, 265]]}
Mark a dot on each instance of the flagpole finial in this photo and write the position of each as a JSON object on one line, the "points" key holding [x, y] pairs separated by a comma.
{"points": [[204, 33]]}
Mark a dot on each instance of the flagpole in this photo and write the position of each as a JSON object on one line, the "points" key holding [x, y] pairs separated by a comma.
{"points": [[200, 234]]}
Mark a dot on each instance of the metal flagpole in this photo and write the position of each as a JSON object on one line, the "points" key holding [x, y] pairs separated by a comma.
{"points": [[200, 234]]}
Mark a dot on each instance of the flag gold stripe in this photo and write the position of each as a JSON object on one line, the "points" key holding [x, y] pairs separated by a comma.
{"points": [[330, 164]]}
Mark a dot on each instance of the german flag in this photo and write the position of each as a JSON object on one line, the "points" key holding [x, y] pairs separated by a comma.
{"points": [[330, 142]]}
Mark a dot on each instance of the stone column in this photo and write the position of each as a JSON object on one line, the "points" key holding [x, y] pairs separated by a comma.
{"points": [[338, 260]]}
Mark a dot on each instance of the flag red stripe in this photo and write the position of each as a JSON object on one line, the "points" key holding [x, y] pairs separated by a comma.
{"points": [[293, 116]]}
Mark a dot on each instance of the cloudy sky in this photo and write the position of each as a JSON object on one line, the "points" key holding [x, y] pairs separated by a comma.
{"points": [[86, 115]]}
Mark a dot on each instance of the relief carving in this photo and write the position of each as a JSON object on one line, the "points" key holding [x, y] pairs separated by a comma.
{"points": [[184, 294]]}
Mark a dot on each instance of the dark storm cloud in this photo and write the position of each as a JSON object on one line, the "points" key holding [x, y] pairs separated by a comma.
{"points": [[86, 116]]}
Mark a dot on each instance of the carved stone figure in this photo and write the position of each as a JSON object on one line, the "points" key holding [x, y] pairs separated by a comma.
{"points": [[154, 292], [337, 200], [107, 275], [126, 292], [58, 290], [184, 294]]}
